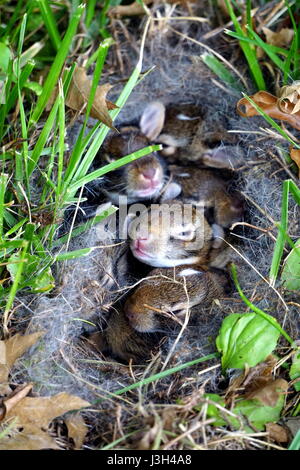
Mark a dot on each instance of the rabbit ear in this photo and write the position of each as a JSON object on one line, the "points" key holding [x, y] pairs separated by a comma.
{"points": [[152, 120]]}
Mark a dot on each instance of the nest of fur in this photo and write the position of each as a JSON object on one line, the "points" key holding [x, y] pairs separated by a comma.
{"points": [[61, 361]]}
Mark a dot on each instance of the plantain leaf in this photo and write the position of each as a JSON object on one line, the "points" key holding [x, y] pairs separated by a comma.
{"points": [[291, 269], [5, 56], [32, 276], [244, 339], [250, 411], [295, 370]]}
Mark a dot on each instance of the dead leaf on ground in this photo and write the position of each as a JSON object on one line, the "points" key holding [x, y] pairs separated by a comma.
{"points": [[78, 96], [289, 98], [252, 378], [10, 350], [280, 38], [77, 429], [295, 156], [146, 442], [270, 105], [277, 433], [269, 394], [34, 414], [13, 399]]}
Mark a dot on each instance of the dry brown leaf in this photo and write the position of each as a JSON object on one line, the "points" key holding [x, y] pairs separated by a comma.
{"points": [[270, 105], [295, 156], [281, 38], [79, 94], [18, 344], [277, 433], [252, 378], [289, 94], [40, 411], [269, 394], [10, 350], [21, 441], [77, 429], [146, 442], [14, 398], [3, 366], [34, 415]]}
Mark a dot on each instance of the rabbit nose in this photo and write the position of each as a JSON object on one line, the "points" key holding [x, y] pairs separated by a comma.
{"points": [[140, 243], [149, 173]]}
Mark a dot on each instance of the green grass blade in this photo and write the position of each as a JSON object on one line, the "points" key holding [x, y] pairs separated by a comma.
{"points": [[78, 148], [160, 375], [25, 73], [111, 445], [57, 65], [267, 50], [37, 151], [50, 23], [90, 12], [74, 254], [15, 285], [275, 49], [295, 444], [247, 50], [111, 166], [12, 21], [221, 71], [295, 191], [3, 184]]}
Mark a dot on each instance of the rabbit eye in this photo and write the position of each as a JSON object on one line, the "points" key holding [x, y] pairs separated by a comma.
{"points": [[183, 235]]}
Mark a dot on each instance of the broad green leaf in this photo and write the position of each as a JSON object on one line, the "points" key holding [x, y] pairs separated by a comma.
{"points": [[5, 55], [291, 269], [259, 414], [255, 412], [44, 282], [32, 276], [214, 412], [245, 339], [295, 370]]}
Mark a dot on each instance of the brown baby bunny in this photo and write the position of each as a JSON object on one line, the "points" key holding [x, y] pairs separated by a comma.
{"points": [[122, 341], [172, 291], [183, 137], [204, 188], [143, 178], [171, 234]]}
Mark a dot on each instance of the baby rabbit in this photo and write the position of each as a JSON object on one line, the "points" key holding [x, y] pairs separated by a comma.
{"points": [[179, 129], [122, 341], [143, 178], [148, 177], [204, 188], [171, 234], [172, 290], [135, 331]]}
